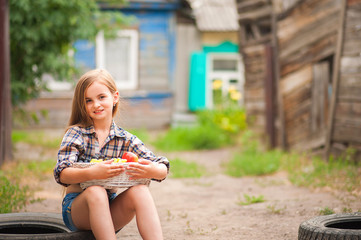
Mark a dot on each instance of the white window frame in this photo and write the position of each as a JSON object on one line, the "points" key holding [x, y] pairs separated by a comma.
{"points": [[122, 84], [225, 76]]}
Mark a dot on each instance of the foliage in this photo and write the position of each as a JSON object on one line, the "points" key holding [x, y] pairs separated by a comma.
{"points": [[341, 173], [251, 160], [12, 196], [215, 129], [316, 172], [36, 138], [182, 169], [251, 199], [326, 211], [41, 38]]}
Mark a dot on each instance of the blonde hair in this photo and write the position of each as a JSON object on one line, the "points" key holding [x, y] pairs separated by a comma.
{"points": [[79, 115]]}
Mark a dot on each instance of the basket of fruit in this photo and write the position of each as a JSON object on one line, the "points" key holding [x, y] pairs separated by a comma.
{"points": [[120, 181]]}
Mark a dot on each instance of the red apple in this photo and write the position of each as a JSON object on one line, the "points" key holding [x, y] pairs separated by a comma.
{"points": [[130, 157]]}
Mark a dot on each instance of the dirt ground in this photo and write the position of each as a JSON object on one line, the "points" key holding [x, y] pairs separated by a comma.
{"points": [[208, 207]]}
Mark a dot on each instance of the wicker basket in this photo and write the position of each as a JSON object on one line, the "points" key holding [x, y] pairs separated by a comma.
{"points": [[119, 181]]}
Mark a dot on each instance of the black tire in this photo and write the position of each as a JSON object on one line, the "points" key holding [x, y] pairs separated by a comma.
{"points": [[335, 227], [38, 226]]}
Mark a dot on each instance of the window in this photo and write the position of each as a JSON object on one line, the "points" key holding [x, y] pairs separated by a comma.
{"points": [[225, 78], [119, 56]]}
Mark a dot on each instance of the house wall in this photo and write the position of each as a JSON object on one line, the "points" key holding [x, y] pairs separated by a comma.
{"points": [[151, 104], [347, 124], [307, 42]]}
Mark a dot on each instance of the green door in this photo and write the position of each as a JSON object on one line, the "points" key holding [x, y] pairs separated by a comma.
{"points": [[197, 81]]}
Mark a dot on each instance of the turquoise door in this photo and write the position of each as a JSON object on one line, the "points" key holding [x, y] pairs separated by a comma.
{"points": [[197, 81]]}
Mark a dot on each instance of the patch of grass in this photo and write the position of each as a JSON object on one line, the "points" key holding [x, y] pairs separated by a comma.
{"points": [[326, 211], [182, 169], [315, 172], [142, 134], [251, 160], [192, 138], [251, 199], [36, 138], [215, 129], [273, 209], [33, 169], [13, 197]]}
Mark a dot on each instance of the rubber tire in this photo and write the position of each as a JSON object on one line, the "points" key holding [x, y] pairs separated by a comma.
{"points": [[332, 227], [51, 227]]}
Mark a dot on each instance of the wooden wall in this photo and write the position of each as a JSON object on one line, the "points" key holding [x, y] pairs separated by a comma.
{"points": [[347, 116], [307, 37], [318, 66], [255, 32]]}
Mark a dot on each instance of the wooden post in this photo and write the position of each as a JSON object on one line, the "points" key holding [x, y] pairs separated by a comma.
{"points": [[269, 97], [5, 102], [335, 79]]}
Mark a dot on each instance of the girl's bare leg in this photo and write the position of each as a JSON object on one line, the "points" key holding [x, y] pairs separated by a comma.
{"points": [[137, 201], [90, 210]]}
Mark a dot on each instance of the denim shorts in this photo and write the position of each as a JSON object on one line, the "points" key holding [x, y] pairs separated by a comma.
{"points": [[66, 206]]}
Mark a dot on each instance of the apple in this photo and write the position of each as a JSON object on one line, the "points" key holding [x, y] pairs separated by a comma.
{"points": [[130, 157]]}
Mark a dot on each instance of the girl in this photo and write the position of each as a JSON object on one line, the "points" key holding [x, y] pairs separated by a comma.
{"points": [[92, 133]]}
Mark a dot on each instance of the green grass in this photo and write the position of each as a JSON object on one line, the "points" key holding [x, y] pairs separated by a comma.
{"points": [[338, 173], [182, 169], [215, 129], [36, 138], [326, 211], [35, 169], [14, 195], [251, 199], [317, 173], [251, 160], [142, 134], [195, 138]]}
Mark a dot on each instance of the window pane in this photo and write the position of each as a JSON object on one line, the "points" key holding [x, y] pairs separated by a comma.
{"points": [[224, 65], [117, 57]]}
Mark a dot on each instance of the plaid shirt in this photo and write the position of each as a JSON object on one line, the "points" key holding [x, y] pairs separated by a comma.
{"points": [[81, 144]]}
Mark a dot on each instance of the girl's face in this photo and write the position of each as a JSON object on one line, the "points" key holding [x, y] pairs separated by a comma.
{"points": [[99, 101]]}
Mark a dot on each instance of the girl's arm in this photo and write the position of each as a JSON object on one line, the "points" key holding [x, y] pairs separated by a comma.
{"points": [[147, 169], [101, 170]]}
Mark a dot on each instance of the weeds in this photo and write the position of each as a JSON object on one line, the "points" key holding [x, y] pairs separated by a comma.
{"points": [[326, 211], [251, 199], [215, 129], [36, 138], [12, 196], [182, 169], [251, 160]]}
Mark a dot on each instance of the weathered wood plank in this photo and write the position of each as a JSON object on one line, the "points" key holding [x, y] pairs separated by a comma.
{"points": [[323, 48], [319, 106], [245, 6], [350, 64], [256, 13], [299, 95], [349, 109], [308, 14], [347, 130], [296, 79], [309, 35]]}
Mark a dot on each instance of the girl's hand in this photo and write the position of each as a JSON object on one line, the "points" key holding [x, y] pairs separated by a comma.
{"points": [[146, 169], [103, 170]]}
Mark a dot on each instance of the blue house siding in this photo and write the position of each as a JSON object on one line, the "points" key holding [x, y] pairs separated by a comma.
{"points": [[155, 21], [157, 48], [151, 104]]}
